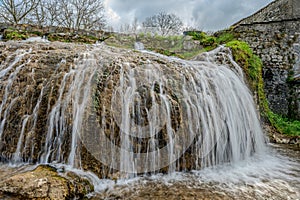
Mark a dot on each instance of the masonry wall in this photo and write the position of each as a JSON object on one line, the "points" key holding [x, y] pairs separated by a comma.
{"points": [[278, 45], [296, 8], [278, 10]]}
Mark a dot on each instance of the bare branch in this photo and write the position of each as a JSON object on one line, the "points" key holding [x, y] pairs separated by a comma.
{"points": [[15, 11], [77, 14], [164, 23]]}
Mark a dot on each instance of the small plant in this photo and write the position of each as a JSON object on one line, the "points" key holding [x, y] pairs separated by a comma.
{"points": [[141, 35], [225, 37], [196, 35], [285, 125], [209, 41], [205, 40], [15, 35]]}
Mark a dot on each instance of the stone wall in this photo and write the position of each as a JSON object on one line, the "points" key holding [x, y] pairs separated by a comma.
{"points": [[52, 29], [277, 10], [273, 33]]}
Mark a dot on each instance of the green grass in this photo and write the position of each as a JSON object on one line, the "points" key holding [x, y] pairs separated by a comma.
{"points": [[191, 54], [210, 42], [284, 125], [224, 38]]}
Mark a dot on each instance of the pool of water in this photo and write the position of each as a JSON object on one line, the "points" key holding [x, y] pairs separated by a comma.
{"points": [[274, 175]]}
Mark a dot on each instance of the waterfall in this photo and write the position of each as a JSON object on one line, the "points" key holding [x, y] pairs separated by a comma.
{"points": [[127, 111], [8, 86], [70, 97], [139, 46]]}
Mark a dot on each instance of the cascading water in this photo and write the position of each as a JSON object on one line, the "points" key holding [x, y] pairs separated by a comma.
{"points": [[123, 113], [139, 46], [154, 113]]}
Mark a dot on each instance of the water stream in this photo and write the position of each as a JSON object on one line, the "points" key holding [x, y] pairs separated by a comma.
{"points": [[162, 126]]}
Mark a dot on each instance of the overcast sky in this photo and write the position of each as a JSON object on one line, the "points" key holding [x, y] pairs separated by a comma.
{"points": [[208, 15]]}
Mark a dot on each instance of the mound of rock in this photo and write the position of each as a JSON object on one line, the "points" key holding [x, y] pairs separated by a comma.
{"points": [[44, 182]]}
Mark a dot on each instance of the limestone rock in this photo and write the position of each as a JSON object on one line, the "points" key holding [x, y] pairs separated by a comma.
{"points": [[45, 183]]}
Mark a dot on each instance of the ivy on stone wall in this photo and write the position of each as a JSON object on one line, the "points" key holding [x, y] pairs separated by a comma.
{"points": [[252, 65]]}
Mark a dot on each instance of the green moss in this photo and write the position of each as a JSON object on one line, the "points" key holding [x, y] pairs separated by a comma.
{"points": [[244, 55], [290, 77], [225, 37], [46, 168], [211, 42], [92, 37], [141, 35], [196, 35], [159, 37], [15, 35]]}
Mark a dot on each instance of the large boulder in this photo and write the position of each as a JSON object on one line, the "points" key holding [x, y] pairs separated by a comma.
{"points": [[44, 182]]}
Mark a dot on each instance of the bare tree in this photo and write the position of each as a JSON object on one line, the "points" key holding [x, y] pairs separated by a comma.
{"points": [[81, 14], [76, 14], [134, 25], [129, 28], [53, 11], [39, 15], [164, 23], [125, 28], [15, 11], [47, 13]]}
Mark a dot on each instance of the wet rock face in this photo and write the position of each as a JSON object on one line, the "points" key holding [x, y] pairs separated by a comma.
{"points": [[37, 67], [45, 183], [106, 110], [36, 89], [30, 92]]}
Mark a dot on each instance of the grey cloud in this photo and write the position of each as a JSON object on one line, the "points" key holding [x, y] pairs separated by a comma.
{"points": [[206, 14]]}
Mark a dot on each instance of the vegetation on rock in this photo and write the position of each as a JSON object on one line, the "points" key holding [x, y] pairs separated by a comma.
{"points": [[210, 42], [174, 46], [10, 34], [252, 66], [242, 54], [15, 34]]}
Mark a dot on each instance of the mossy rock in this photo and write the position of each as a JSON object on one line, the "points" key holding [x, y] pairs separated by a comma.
{"points": [[10, 34]]}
